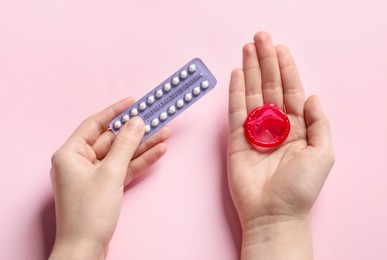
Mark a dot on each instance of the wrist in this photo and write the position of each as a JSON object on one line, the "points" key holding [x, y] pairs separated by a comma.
{"points": [[277, 237], [73, 250]]}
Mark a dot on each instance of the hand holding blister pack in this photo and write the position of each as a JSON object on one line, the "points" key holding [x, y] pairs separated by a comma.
{"points": [[169, 99]]}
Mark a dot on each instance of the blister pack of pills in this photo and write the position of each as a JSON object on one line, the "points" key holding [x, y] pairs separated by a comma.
{"points": [[170, 98]]}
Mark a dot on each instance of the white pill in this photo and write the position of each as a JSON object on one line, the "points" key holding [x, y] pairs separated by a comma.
{"points": [[163, 116], [142, 106], [183, 74], [155, 122], [188, 97], [150, 100], [125, 118], [175, 81], [192, 68], [196, 91], [180, 103], [205, 84], [159, 93], [171, 110], [134, 112], [147, 128], [117, 125], [167, 87]]}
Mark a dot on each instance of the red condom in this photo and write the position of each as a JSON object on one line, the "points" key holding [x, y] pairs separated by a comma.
{"points": [[267, 126]]}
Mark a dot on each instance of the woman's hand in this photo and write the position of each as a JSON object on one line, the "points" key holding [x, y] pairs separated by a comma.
{"points": [[89, 173], [274, 190]]}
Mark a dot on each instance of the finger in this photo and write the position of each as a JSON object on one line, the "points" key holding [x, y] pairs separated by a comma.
{"points": [[96, 124], [271, 77], [318, 128], [252, 77], [145, 160], [294, 96], [124, 145], [102, 146], [157, 138], [237, 103]]}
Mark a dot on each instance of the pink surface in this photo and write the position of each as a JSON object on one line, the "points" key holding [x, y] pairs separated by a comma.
{"points": [[61, 61]]}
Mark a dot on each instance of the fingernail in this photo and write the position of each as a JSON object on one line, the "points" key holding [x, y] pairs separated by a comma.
{"points": [[136, 123]]}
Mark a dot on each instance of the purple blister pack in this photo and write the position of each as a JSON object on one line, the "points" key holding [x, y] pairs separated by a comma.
{"points": [[169, 99]]}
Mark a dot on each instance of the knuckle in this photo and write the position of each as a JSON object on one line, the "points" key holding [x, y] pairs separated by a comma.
{"points": [[57, 161], [57, 157]]}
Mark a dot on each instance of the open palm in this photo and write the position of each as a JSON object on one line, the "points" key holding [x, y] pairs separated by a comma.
{"points": [[284, 181]]}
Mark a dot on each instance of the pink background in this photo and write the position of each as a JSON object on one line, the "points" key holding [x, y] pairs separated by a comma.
{"points": [[61, 61]]}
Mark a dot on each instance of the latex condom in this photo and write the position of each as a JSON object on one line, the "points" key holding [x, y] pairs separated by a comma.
{"points": [[267, 126]]}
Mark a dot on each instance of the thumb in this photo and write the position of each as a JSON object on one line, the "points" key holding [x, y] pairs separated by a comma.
{"points": [[318, 127], [125, 144]]}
